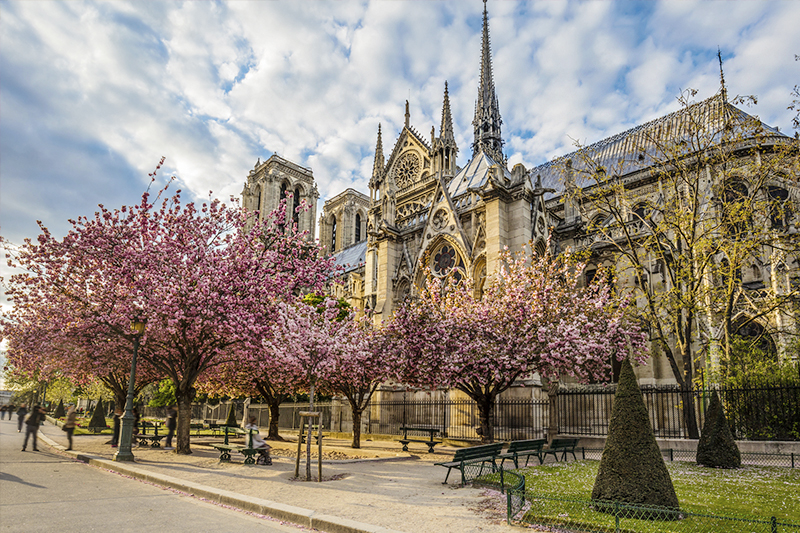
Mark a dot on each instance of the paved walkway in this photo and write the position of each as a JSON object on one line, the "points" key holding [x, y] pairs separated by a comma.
{"points": [[375, 489]]}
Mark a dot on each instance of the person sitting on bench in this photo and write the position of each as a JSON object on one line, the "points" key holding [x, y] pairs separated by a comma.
{"points": [[258, 442]]}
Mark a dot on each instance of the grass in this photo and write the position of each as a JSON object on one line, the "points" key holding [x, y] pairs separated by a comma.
{"points": [[752, 491]]}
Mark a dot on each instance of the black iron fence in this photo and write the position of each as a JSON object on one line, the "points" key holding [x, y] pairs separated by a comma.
{"points": [[754, 413]]}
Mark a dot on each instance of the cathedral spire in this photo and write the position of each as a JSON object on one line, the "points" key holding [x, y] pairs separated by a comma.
{"points": [[377, 166], [408, 115], [723, 89], [487, 119], [446, 129]]}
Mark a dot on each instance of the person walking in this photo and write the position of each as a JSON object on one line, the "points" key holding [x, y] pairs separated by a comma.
{"points": [[171, 422], [3, 410], [32, 426], [117, 417], [21, 412], [69, 424]]}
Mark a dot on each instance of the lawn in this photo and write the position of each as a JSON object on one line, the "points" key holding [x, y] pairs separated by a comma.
{"points": [[751, 491]]}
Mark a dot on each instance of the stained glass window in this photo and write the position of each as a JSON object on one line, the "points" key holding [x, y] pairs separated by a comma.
{"points": [[444, 260]]}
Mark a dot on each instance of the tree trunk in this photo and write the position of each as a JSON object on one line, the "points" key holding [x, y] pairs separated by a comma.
{"points": [[356, 427], [184, 421], [310, 426], [486, 415], [552, 409], [274, 415]]}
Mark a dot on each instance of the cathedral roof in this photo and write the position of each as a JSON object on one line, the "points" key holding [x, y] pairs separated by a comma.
{"points": [[474, 175], [635, 149], [352, 257]]}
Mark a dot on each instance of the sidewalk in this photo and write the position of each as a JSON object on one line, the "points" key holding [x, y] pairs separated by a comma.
{"points": [[376, 489]]}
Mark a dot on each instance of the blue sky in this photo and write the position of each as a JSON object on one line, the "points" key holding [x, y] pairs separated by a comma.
{"points": [[92, 94]]}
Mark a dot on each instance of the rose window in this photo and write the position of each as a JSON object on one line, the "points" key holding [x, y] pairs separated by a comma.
{"points": [[406, 171], [445, 260]]}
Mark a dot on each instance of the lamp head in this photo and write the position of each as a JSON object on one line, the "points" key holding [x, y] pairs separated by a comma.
{"points": [[137, 324]]}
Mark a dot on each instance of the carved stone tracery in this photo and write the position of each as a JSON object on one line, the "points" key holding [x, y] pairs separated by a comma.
{"points": [[406, 170]]}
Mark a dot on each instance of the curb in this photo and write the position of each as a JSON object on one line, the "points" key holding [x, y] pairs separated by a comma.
{"points": [[279, 511]]}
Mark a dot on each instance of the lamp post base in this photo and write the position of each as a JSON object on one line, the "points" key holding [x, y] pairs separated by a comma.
{"points": [[123, 456]]}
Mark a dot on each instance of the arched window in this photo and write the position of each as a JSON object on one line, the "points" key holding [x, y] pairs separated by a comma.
{"points": [[445, 259], [258, 200], [333, 233], [779, 207], [283, 191], [358, 227], [296, 205], [735, 213]]}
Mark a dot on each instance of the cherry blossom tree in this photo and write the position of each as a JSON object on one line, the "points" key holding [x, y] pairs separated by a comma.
{"points": [[314, 339], [199, 275], [533, 317], [256, 371], [361, 369]]}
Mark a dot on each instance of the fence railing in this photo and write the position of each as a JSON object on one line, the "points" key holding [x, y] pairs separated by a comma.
{"points": [[754, 413]]}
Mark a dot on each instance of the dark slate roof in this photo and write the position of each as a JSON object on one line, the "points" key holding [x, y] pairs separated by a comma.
{"points": [[634, 149], [473, 175], [352, 257]]}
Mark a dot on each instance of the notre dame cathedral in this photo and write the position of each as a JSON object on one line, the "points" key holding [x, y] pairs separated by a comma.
{"points": [[423, 209]]}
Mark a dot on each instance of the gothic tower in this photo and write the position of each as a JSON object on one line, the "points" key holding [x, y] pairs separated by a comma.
{"points": [[278, 179]]}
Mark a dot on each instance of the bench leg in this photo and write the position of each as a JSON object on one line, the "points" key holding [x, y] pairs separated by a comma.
{"points": [[225, 457], [449, 468]]}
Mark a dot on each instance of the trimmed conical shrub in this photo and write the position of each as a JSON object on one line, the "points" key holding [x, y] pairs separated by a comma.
{"points": [[632, 469], [98, 420], [231, 422], [717, 448], [59, 410]]}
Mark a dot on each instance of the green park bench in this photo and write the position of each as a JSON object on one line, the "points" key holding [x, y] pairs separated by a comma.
{"points": [[153, 438], [430, 442], [562, 446], [226, 449], [468, 457], [523, 448]]}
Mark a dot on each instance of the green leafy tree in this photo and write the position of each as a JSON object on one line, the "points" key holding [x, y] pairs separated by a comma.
{"points": [[632, 469], [684, 210]]}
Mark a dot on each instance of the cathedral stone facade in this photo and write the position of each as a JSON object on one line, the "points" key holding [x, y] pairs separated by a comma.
{"points": [[277, 179], [425, 211]]}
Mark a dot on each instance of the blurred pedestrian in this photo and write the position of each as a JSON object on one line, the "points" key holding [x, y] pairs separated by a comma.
{"points": [[117, 421], [34, 420], [258, 442], [3, 410], [69, 424], [21, 412], [171, 422]]}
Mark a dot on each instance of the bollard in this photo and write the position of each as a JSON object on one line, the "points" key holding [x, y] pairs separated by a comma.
{"points": [[774, 522]]}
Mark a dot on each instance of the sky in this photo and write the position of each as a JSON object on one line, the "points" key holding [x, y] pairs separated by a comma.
{"points": [[94, 93]]}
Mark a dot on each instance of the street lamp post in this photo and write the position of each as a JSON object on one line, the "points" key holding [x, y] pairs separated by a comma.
{"points": [[124, 452]]}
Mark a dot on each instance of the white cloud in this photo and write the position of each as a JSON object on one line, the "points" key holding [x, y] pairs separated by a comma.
{"points": [[94, 93]]}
